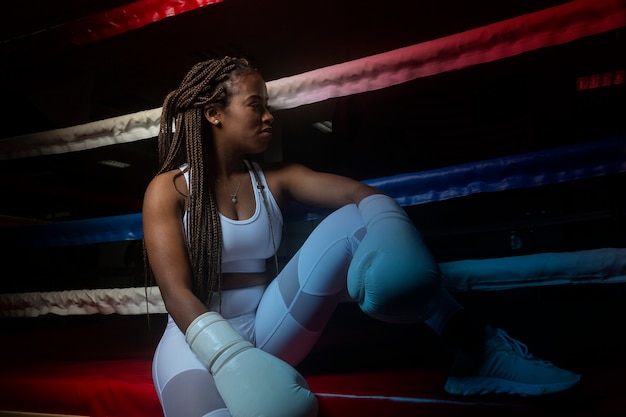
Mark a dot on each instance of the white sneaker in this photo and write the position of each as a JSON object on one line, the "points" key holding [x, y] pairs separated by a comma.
{"points": [[505, 366]]}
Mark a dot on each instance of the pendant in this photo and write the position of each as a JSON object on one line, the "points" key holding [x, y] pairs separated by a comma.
{"points": [[233, 198]]}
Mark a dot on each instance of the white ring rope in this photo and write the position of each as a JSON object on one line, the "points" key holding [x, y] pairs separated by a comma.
{"points": [[116, 130], [549, 27], [125, 301], [597, 266]]}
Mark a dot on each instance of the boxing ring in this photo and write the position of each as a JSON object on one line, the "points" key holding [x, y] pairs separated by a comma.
{"points": [[87, 351], [122, 371]]}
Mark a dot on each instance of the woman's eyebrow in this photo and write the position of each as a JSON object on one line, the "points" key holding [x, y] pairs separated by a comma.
{"points": [[256, 97]]}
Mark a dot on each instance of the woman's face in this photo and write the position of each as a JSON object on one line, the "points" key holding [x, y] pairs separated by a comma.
{"points": [[246, 123]]}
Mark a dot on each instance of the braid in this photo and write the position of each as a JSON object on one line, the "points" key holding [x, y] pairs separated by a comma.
{"points": [[185, 138]]}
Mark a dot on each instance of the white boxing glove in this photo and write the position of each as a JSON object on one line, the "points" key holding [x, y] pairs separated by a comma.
{"points": [[252, 382], [393, 275]]}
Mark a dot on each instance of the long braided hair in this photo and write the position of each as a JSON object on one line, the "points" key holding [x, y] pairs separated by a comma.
{"points": [[185, 137]]}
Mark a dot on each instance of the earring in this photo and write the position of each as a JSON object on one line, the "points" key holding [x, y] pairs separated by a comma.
{"points": [[216, 122]]}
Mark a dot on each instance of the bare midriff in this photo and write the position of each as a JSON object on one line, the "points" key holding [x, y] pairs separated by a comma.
{"points": [[235, 280]]}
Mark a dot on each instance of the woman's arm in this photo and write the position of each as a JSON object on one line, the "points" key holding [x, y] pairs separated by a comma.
{"points": [[164, 237], [319, 189]]}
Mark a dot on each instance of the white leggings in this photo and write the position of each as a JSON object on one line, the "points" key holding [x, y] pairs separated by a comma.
{"points": [[284, 318]]}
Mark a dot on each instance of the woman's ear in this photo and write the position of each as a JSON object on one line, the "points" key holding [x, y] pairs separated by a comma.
{"points": [[211, 112]]}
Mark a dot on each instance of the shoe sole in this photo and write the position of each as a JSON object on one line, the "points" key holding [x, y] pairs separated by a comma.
{"points": [[483, 386]]}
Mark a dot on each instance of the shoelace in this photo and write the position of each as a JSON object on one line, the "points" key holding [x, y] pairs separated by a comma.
{"points": [[519, 347], [516, 346]]}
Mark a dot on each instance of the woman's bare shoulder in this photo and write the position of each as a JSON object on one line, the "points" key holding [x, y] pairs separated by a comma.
{"points": [[168, 185], [281, 168]]}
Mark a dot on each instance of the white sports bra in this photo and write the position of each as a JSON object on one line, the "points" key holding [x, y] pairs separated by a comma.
{"points": [[247, 244]]}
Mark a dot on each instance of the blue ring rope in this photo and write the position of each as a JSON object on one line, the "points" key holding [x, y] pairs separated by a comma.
{"points": [[533, 169]]}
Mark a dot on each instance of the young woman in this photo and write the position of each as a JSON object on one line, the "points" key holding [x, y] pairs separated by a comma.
{"points": [[211, 221]]}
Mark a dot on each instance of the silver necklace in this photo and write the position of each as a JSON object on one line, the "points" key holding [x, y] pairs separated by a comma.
{"points": [[233, 196]]}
